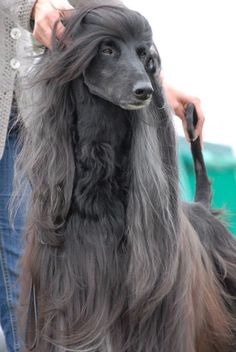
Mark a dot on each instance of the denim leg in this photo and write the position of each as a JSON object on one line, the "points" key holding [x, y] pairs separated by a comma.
{"points": [[11, 244]]}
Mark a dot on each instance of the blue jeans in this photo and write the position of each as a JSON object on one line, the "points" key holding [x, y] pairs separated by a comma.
{"points": [[11, 243]]}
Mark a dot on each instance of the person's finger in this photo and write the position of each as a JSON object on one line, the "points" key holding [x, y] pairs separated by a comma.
{"points": [[65, 10], [179, 111], [59, 30], [185, 130], [200, 121], [42, 33], [201, 140], [43, 27]]}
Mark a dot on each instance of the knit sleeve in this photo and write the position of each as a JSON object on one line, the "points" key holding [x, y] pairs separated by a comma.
{"points": [[19, 11]]}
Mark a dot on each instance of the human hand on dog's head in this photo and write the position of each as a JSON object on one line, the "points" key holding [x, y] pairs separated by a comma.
{"points": [[45, 14], [178, 102]]}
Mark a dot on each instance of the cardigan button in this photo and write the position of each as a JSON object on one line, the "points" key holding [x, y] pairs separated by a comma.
{"points": [[15, 64], [15, 33]]}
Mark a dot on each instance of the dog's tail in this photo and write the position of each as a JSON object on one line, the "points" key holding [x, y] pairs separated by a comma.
{"points": [[203, 193]]}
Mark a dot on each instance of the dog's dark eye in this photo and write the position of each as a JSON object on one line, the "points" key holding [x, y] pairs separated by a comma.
{"points": [[142, 53], [108, 48], [108, 51]]}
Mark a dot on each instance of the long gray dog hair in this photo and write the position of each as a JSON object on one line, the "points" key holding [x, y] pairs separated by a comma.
{"points": [[114, 261]]}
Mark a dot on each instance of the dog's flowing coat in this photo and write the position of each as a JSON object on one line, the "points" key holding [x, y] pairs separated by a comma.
{"points": [[114, 261]]}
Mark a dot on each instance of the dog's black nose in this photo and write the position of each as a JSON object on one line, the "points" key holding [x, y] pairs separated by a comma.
{"points": [[143, 91]]}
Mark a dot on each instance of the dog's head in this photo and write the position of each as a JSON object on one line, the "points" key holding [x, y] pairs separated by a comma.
{"points": [[120, 73], [112, 48]]}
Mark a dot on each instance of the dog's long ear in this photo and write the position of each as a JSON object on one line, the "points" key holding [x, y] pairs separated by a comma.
{"points": [[47, 159]]}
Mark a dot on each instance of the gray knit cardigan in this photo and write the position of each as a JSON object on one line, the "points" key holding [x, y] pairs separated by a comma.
{"points": [[15, 44]]}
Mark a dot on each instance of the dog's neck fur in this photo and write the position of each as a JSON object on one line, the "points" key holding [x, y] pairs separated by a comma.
{"points": [[102, 145]]}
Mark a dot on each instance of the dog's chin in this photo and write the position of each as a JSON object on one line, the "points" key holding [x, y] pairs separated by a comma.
{"points": [[137, 105]]}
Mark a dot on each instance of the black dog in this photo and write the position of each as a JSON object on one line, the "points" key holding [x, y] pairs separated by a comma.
{"points": [[114, 261]]}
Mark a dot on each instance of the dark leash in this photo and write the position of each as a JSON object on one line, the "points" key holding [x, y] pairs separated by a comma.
{"points": [[203, 186]]}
